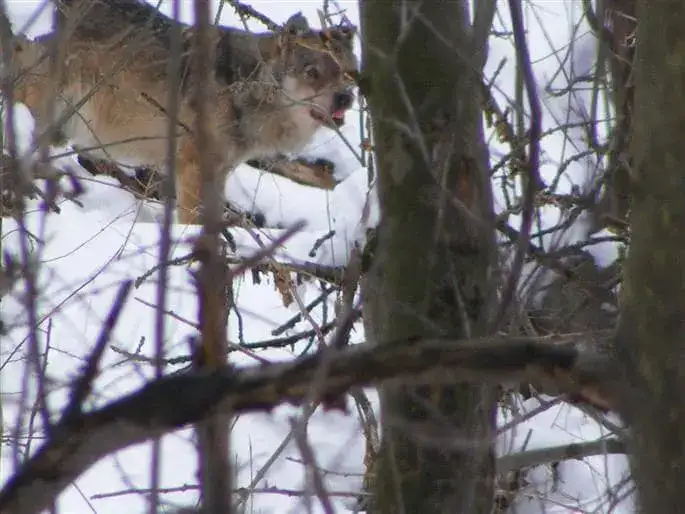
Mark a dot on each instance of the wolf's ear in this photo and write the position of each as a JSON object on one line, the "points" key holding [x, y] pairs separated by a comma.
{"points": [[296, 24]]}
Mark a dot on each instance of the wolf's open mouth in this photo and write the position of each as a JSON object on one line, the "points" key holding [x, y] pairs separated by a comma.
{"points": [[339, 117], [336, 118]]}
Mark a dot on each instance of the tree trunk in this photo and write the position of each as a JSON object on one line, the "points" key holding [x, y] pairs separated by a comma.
{"points": [[650, 342], [432, 267]]}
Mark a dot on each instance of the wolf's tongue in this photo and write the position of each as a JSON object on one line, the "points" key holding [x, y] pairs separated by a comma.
{"points": [[338, 115]]}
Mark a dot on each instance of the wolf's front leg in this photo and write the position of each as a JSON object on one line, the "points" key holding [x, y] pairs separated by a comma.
{"points": [[189, 180]]}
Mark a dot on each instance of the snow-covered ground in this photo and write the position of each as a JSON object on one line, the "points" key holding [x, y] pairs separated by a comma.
{"points": [[90, 248]]}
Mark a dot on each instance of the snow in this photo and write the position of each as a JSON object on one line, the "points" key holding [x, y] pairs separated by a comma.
{"points": [[90, 248], [582, 485]]}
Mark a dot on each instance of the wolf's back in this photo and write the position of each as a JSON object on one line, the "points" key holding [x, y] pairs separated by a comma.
{"points": [[238, 52], [100, 20]]}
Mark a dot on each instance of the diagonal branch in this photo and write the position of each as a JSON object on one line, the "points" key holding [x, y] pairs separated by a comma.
{"points": [[172, 402], [84, 384]]}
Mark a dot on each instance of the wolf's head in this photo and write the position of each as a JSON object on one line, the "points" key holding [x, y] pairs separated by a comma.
{"points": [[319, 69]]}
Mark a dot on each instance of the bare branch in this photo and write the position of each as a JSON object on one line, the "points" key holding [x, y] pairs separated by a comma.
{"points": [[83, 386], [532, 166], [189, 397], [247, 11], [539, 456], [213, 433]]}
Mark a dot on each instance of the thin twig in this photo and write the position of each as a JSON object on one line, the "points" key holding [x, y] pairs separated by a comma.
{"points": [[164, 266], [168, 194], [247, 11], [309, 459], [212, 433], [83, 386], [532, 167], [325, 293], [21, 182]]}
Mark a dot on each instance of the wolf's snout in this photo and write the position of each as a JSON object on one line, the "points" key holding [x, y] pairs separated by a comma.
{"points": [[342, 101]]}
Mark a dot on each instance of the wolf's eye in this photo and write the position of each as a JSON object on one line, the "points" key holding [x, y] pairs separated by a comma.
{"points": [[312, 72], [346, 32]]}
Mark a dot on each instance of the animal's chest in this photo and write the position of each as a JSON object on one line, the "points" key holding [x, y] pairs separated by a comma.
{"points": [[276, 129]]}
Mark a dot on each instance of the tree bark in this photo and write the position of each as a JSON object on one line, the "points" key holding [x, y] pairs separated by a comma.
{"points": [[623, 24], [651, 336], [432, 266]]}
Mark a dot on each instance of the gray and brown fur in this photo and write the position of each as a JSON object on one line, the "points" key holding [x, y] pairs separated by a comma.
{"points": [[274, 110]]}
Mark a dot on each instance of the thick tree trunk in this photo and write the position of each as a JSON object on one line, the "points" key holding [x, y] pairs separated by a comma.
{"points": [[651, 337], [431, 272]]}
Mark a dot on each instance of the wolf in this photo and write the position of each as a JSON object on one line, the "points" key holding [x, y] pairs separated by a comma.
{"points": [[238, 54], [114, 90]]}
